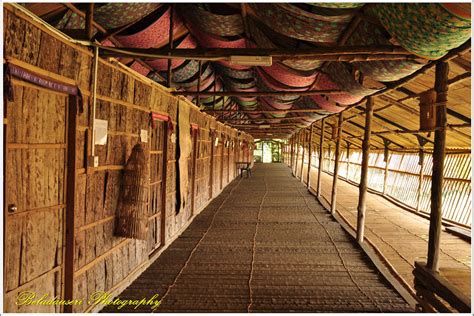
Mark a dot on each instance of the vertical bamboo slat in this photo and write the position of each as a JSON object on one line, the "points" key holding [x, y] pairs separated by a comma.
{"points": [[364, 168], [310, 152], [321, 154], [336, 162]]}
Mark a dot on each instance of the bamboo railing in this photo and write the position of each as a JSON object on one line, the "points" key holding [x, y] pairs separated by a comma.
{"points": [[403, 180]]}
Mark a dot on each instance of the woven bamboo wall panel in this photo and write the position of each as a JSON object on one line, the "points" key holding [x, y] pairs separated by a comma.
{"points": [[101, 260]]}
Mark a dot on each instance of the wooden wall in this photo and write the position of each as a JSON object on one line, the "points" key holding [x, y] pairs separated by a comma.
{"points": [[36, 161]]}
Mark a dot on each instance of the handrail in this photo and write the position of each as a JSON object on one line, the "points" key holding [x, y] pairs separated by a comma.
{"points": [[436, 294]]}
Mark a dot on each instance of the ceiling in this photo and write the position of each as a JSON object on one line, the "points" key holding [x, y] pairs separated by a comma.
{"points": [[327, 58]]}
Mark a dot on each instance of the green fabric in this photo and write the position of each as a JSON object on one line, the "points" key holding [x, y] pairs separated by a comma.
{"points": [[425, 29]]}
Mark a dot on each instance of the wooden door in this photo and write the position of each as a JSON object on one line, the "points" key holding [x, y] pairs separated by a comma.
{"points": [[157, 143], [35, 195]]}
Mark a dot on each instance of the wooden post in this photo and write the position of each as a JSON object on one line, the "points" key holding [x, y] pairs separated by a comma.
{"points": [[421, 162], [302, 155], [211, 170], [89, 22], [228, 160], [297, 151], [310, 152], [292, 153], [386, 159], [369, 109], [193, 180], [336, 163], [164, 175], [221, 183], [439, 152], [348, 159], [170, 45], [198, 99], [321, 145], [422, 142], [70, 202]]}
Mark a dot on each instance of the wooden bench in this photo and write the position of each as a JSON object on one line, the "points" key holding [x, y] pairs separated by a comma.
{"points": [[244, 166]]}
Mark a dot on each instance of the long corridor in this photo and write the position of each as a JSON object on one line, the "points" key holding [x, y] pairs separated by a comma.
{"points": [[264, 245]]}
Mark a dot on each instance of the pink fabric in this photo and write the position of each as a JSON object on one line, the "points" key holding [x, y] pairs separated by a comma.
{"points": [[254, 115], [162, 64], [245, 99], [213, 41], [153, 34], [140, 68], [289, 77], [265, 106], [274, 85], [326, 104], [107, 43], [325, 83], [275, 104]]}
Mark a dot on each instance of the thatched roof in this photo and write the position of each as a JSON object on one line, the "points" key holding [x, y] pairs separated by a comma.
{"points": [[388, 51]]}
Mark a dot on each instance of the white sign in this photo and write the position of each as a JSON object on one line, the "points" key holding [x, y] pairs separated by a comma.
{"points": [[100, 130], [144, 135]]}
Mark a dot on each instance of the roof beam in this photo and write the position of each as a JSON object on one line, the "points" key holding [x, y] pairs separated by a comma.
{"points": [[268, 111], [256, 93], [342, 53]]}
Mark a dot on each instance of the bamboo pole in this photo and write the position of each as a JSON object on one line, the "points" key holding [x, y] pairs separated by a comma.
{"points": [[310, 152], [441, 87], [89, 31], [221, 180], [94, 105], [417, 131], [307, 110], [348, 159], [170, 46], [340, 53], [364, 169], [292, 148], [420, 179], [164, 184], [297, 152], [198, 101], [336, 163], [211, 170], [257, 93], [321, 160], [70, 201], [386, 159], [302, 155], [193, 179]]}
